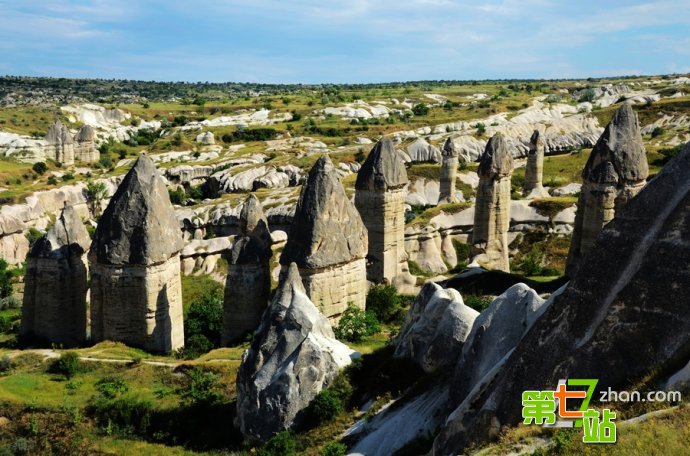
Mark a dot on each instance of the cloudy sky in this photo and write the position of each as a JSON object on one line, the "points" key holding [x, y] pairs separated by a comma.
{"points": [[342, 40]]}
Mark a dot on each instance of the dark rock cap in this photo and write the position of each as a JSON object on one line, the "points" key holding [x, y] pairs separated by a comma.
{"points": [[139, 225], [254, 245], [621, 144], [449, 149], [496, 161], [383, 168], [536, 140], [67, 237], [327, 229], [85, 134]]}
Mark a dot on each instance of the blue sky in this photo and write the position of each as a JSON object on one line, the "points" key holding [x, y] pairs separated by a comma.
{"points": [[313, 41]]}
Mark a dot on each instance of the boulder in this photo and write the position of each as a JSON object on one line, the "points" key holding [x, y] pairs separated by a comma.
{"points": [[435, 328], [422, 151], [293, 356]]}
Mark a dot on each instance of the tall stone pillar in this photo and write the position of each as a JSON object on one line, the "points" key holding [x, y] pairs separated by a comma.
{"points": [[248, 283], [616, 171], [85, 148], [55, 284], [449, 171], [534, 169], [492, 207], [60, 142], [328, 242], [136, 294], [380, 200]]}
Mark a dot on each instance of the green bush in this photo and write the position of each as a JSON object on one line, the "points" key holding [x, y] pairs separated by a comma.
{"points": [[334, 449], [354, 324], [204, 317], [125, 415], [420, 109], [110, 387], [478, 303], [203, 387], [6, 278], [5, 364], [384, 302], [282, 444], [587, 95], [326, 406], [40, 168], [68, 364], [177, 196]]}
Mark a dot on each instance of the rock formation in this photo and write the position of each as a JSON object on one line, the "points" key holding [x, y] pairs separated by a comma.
{"points": [[294, 354], [615, 172], [421, 151], [621, 318], [136, 293], [60, 143], [14, 246], [449, 170], [328, 241], [85, 148], [206, 139], [380, 200], [54, 309], [248, 283], [534, 170], [492, 206], [435, 328]]}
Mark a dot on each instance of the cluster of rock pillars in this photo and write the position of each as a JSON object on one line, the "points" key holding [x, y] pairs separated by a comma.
{"points": [[130, 270]]}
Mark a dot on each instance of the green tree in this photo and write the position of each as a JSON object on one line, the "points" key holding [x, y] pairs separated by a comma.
{"points": [[40, 168], [6, 279], [96, 192], [68, 364], [420, 109], [384, 302]]}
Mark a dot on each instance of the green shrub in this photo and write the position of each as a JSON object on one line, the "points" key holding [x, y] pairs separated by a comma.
{"points": [[326, 406], [40, 168], [481, 128], [203, 387], [110, 387], [354, 324], [587, 95], [33, 235], [282, 444], [384, 302], [6, 278], [204, 317], [177, 196], [334, 449], [68, 364], [5, 363], [125, 415], [478, 303], [420, 109]]}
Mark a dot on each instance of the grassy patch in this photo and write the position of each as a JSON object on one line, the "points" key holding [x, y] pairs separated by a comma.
{"points": [[550, 207]]}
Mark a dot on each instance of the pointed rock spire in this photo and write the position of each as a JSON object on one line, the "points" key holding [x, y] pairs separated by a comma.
{"points": [[383, 169], [449, 149], [139, 225], [289, 287], [621, 144], [327, 229], [58, 134], [67, 236], [497, 161], [85, 134]]}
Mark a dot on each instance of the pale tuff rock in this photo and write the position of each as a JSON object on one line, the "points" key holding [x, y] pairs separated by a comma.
{"points": [[492, 206], [206, 139], [85, 147], [14, 246], [54, 309], [60, 143], [449, 170], [293, 355], [248, 283], [136, 293], [328, 242], [615, 172], [435, 328], [621, 317], [534, 170], [380, 199], [422, 151]]}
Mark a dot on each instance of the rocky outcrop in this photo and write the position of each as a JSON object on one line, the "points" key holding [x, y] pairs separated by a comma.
{"points": [[328, 242], [55, 284], [632, 294], [206, 139], [492, 206], [136, 293], [188, 175], [435, 328], [380, 200], [449, 170], [293, 355], [248, 283], [14, 245], [60, 143], [85, 148], [422, 151], [534, 169], [615, 172]]}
